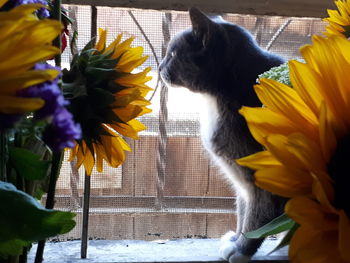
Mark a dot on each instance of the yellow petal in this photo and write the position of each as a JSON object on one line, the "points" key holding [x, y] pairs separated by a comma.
{"points": [[307, 152], [306, 82], [132, 64], [128, 112], [304, 236], [17, 105], [124, 145], [26, 59], [305, 211], [122, 47], [321, 58], [260, 160], [9, 86], [114, 150], [2, 2], [311, 246], [323, 190], [283, 182], [130, 130], [114, 43], [101, 44], [105, 149], [80, 154], [135, 80], [73, 152], [99, 163], [43, 31], [89, 161], [284, 100], [263, 121], [279, 147], [328, 139]]}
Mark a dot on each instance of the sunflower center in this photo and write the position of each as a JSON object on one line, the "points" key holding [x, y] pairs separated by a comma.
{"points": [[339, 170]]}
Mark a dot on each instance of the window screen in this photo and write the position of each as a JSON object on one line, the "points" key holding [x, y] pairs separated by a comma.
{"points": [[177, 193]]}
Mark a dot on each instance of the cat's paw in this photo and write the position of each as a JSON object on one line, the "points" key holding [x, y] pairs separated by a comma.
{"points": [[229, 250], [229, 236]]}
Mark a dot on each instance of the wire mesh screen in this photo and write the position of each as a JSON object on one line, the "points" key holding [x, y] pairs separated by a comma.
{"points": [[191, 200]]}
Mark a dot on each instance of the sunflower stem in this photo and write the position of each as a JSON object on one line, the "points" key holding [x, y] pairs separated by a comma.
{"points": [[50, 200], [86, 208], [56, 14]]}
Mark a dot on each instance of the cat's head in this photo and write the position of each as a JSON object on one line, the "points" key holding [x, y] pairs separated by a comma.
{"points": [[200, 58]]}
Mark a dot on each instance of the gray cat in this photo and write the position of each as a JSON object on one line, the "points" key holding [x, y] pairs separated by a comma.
{"points": [[221, 61]]}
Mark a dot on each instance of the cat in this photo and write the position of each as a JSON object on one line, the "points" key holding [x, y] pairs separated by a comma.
{"points": [[221, 61]]}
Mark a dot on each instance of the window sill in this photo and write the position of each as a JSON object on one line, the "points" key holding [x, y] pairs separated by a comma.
{"points": [[114, 251]]}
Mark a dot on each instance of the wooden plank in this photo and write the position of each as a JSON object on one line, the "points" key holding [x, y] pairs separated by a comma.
{"points": [[128, 171], [218, 225], [291, 8], [118, 202], [103, 226], [112, 181], [108, 182], [186, 168], [153, 226], [145, 166], [110, 227], [218, 184], [170, 226]]}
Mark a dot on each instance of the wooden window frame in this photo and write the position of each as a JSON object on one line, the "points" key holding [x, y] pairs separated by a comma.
{"points": [[290, 8]]}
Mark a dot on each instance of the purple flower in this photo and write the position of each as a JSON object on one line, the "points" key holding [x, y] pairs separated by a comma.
{"points": [[48, 91], [42, 12], [62, 132]]}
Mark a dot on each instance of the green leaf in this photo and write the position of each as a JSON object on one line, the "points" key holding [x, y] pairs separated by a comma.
{"points": [[277, 225], [100, 74], [286, 239], [23, 220], [90, 45], [28, 164], [38, 194], [13, 247], [103, 62]]}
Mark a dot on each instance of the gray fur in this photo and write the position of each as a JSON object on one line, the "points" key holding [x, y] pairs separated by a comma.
{"points": [[221, 61]]}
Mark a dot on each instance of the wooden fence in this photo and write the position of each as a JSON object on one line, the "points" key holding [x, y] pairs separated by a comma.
{"points": [[196, 201]]}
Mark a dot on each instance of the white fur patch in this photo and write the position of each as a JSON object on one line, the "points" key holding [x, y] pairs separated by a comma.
{"points": [[228, 249], [209, 121], [209, 118]]}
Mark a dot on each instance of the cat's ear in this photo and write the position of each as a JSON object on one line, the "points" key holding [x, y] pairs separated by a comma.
{"points": [[202, 26]]}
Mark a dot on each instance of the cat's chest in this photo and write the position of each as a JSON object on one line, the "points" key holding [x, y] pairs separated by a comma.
{"points": [[209, 119]]}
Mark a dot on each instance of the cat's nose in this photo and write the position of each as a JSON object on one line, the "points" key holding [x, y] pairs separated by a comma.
{"points": [[161, 65]]}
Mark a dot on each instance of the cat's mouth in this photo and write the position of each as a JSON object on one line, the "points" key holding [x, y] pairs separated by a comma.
{"points": [[165, 77], [168, 79]]}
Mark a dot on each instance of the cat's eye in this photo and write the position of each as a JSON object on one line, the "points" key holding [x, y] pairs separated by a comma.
{"points": [[172, 54]]}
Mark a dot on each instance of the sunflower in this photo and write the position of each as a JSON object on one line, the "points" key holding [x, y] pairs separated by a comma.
{"points": [[306, 133], [19, 26], [339, 20], [106, 96]]}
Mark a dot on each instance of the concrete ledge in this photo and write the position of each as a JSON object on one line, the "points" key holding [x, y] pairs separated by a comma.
{"points": [[115, 251]]}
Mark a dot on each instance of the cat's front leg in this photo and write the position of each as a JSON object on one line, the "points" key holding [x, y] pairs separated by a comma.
{"points": [[261, 209], [228, 246], [240, 215], [229, 249]]}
